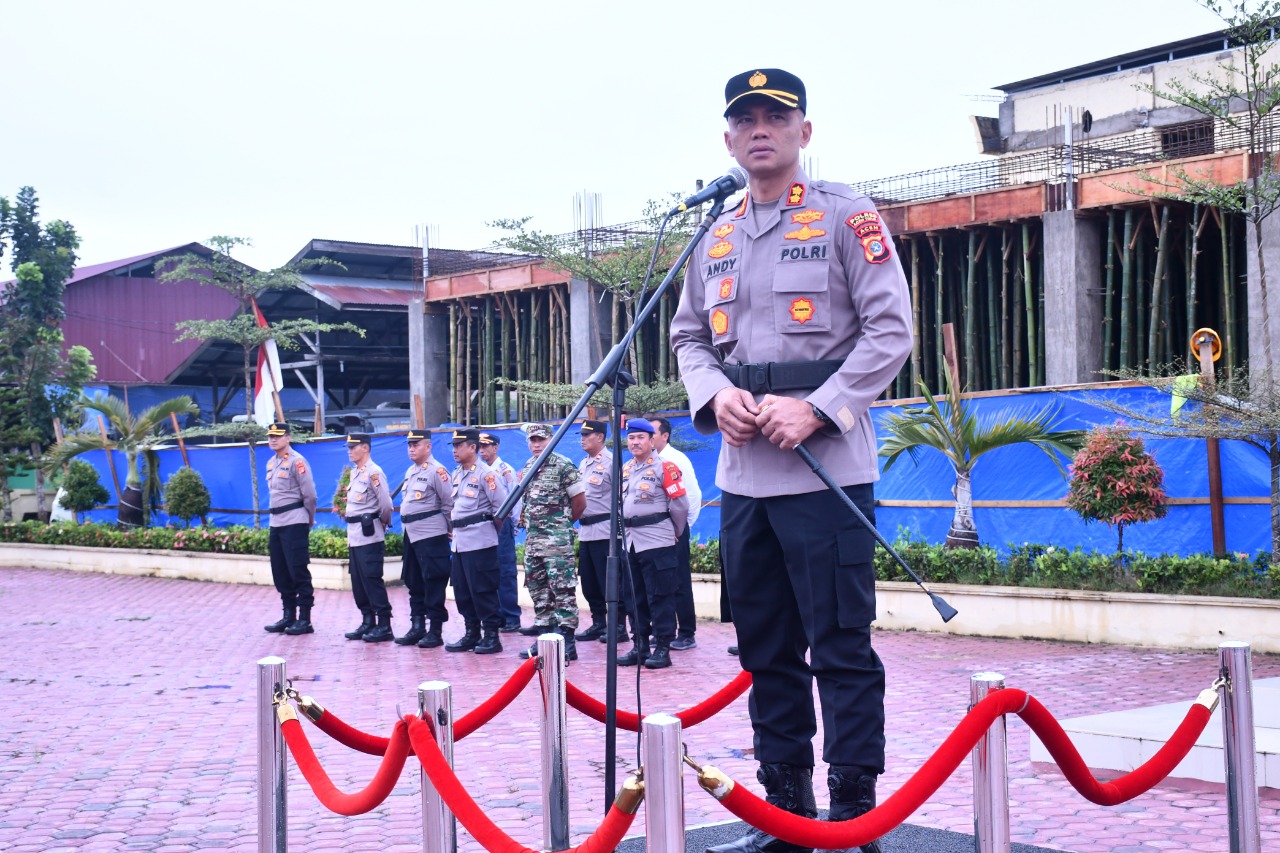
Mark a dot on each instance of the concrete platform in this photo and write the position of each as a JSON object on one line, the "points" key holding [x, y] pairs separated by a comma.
{"points": [[1122, 740]]}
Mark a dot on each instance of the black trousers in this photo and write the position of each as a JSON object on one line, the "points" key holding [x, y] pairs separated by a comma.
{"points": [[475, 586], [425, 572], [800, 579], [686, 616], [290, 550], [654, 573], [593, 562], [365, 562]]}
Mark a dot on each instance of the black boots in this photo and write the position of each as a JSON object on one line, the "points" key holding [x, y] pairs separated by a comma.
{"points": [[417, 630], [284, 622], [787, 787], [381, 632], [363, 628], [489, 644], [853, 794], [532, 630], [570, 646], [596, 630], [467, 641], [431, 639], [659, 659], [639, 654], [301, 625]]}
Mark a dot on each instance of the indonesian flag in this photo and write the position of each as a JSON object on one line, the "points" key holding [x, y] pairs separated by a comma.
{"points": [[268, 378]]}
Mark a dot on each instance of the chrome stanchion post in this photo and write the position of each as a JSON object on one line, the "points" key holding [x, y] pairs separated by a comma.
{"points": [[555, 763], [1238, 748], [990, 773], [439, 827], [663, 755], [273, 813]]}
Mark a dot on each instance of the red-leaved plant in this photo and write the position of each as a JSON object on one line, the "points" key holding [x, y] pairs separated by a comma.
{"points": [[1115, 480]]}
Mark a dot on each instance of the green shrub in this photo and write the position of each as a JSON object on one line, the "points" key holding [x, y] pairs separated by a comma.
{"points": [[82, 488], [704, 557], [186, 496]]}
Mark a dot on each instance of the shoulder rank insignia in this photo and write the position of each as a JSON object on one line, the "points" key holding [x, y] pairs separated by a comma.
{"points": [[723, 231], [806, 217], [795, 195], [719, 250], [742, 208], [719, 322], [804, 232]]}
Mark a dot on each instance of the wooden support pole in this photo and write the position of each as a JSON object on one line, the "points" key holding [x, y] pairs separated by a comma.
{"points": [[1204, 349], [949, 356], [177, 433], [419, 418], [1155, 326], [317, 423]]}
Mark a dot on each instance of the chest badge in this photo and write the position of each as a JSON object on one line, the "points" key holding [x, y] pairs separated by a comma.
{"points": [[726, 288], [723, 231], [719, 322], [719, 250], [802, 309], [807, 217], [417, 496], [804, 232]]}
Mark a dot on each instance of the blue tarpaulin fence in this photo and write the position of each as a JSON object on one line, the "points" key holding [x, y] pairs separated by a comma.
{"points": [[1005, 476]]}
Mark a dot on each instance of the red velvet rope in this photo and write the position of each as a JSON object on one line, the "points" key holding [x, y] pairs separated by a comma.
{"points": [[353, 738], [898, 807], [629, 721], [326, 792], [606, 837]]}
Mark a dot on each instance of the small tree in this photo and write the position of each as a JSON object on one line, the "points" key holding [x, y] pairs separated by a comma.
{"points": [[186, 496], [1114, 480], [82, 490]]}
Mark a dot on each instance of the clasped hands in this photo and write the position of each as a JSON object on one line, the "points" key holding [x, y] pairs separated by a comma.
{"points": [[785, 421]]}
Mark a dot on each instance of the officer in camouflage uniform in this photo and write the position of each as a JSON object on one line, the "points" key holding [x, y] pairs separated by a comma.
{"points": [[553, 501]]}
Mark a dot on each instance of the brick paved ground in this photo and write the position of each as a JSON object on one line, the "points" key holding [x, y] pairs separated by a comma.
{"points": [[128, 723]]}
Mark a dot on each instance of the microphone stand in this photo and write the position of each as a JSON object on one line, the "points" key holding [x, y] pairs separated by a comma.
{"points": [[610, 372]]}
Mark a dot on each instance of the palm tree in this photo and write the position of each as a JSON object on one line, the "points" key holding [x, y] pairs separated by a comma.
{"points": [[132, 435], [958, 433]]}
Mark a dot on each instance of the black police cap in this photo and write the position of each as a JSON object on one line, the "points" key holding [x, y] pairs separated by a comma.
{"points": [[782, 86], [470, 436], [416, 435], [279, 428], [589, 427], [354, 438], [490, 438]]}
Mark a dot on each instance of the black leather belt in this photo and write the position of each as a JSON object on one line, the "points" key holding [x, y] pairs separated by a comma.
{"points": [[593, 519], [276, 510], [418, 516], [359, 519], [768, 376], [645, 520], [468, 520]]}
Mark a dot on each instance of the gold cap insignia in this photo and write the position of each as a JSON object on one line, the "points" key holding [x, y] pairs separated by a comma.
{"points": [[757, 80]]}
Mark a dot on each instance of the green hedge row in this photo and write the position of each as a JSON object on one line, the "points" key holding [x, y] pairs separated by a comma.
{"points": [[1025, 565]]}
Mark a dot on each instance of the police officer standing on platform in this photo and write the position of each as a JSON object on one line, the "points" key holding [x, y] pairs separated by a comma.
{"points": [[293, 513], [368, 514], [508, 572], [655, 510], [553, 501], [795, 316], [478, 494], [424, 515]]}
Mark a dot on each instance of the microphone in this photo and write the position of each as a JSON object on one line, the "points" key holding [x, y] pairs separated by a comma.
{"points": [[722, 187]]}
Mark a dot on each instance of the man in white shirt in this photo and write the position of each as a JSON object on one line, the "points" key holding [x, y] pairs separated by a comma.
{"points": [[686, 619]]}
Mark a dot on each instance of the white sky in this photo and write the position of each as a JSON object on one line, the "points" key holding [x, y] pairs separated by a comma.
{"points": [[150, 124]]}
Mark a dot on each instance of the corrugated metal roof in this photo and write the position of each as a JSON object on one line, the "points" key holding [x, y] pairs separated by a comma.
{"points": [[342, 291], [81, 273]]}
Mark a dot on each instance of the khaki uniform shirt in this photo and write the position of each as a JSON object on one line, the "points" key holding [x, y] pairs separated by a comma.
{"points": [[368, 492], [597, 476], [814, 277], [475, 490], [427, 487], [289, 480], [652, 485]]}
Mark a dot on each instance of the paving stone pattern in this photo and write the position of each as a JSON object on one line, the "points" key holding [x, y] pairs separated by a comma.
{"points": [[128, 722]]}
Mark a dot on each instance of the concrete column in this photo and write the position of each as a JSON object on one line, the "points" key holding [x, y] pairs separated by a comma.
{"points": [[1258, 330], [429, 361], [1072, 298], [585, 347]]}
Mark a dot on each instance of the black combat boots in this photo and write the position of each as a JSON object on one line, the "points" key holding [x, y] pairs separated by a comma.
{"points": [[489, 644], [301, 625], [787, 787], [853, 794], [432, 638], [417, 630], [365, 626], [639, 654], [290, 615], [596, 630], [381, 632], [570, 644], [467, 641]]}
